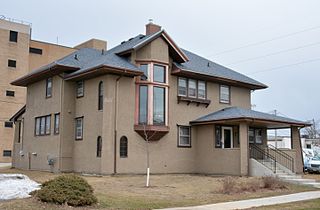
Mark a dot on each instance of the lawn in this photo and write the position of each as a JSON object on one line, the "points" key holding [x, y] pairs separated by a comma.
{"points": [[128, 192], [302, 205]]}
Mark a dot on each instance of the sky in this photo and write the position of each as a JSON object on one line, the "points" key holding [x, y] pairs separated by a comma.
{"points": [[275, 42]]}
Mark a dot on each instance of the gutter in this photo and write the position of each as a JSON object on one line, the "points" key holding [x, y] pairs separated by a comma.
{"points": [[116, 124]]}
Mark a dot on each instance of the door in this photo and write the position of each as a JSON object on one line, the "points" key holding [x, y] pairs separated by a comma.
{"points": [[227, 137]]}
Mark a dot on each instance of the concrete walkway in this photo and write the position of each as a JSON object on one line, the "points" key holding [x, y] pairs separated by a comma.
{"points": [[244, 204]]}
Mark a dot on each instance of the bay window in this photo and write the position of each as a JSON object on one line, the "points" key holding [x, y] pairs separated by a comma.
{"points": [[145, 69], [143, 104], [158, 106], [159, 73]]}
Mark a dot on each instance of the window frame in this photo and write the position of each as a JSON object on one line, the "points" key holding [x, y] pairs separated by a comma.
{"points": [[13, 36], [8, 124], [205, 89], [82, 124], [49, 81], [186, 87], [179, 136], [12, 63], [36, 51], [121, 147], [99, 147], [147, 105], [222, 101], [56, 128], [46, 130], [164, 74], [164, 105], [100, 96], [77, 88], [8, 151], [145, 77], [10, 93], [197, 88]]}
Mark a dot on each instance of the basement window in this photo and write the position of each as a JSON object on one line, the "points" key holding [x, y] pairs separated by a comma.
{"points": [[12, 63]]}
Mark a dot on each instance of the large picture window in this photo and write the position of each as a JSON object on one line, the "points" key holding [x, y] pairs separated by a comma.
{"points": [[158, 105], [184, 136], [43, 125]]}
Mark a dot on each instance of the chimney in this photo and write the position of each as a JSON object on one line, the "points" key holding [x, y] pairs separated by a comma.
{"points": [[152, 28]]}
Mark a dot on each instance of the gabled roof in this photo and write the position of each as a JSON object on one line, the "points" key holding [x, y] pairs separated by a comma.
{"points": [[236, 113], [203, 66]]}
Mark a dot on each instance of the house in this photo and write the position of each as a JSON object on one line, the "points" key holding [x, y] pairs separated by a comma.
{"points": [[93, 110], [20, 54]]}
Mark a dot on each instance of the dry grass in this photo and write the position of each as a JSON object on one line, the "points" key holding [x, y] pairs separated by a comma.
{"points": [[128, 192], [312, 176], [303, 205]]}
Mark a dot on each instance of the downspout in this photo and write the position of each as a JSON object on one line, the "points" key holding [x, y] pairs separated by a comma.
{"points": [[116, 124], [60, 127]]}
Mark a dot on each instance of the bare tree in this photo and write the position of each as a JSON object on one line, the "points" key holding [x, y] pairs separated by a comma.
{"points": [[313, 131], [147, 138]]}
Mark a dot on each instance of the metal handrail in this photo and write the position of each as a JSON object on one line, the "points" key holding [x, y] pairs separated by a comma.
{"points": [[260, 154], [282, 158]]}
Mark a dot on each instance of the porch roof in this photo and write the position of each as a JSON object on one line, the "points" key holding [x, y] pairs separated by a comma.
{"points": [[231, 114]]}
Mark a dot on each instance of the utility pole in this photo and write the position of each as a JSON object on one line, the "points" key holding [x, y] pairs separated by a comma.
{"points": [[275, 132]]}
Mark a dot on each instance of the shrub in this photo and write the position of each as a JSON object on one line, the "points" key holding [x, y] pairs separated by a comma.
{"points": [[67, 189], [273, 183], [228, 185]]}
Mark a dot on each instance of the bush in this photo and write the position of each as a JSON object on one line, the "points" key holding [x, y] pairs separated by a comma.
{"points": [[228, 185], [270, 182], [67, 189]]}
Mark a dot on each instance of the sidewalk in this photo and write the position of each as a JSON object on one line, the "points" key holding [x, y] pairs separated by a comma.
{"points": [[243, 204]]}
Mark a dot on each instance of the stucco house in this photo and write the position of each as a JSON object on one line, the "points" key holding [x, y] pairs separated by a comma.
{"points": [[92, 110]]}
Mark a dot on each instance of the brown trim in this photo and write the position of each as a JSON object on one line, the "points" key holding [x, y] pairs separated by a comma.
{"points": [[187, 73], [229, 90], [178, 136], [175, 47], [193, 100], [45, 125], [75, 128], [18, 114], [147, 61]]}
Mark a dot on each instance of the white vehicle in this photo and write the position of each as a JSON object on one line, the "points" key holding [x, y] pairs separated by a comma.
{"points": [[314, 165]]}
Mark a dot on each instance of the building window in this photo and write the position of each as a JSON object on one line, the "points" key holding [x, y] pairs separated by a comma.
{"points": [[251, 135], [184, 137], [192, 88], [80, 88], [43, 125], [218, 136], [10, 93], [49, 87], [158, 106], [7, 153], [258, 133], [182, 86], [8, 124], [255, 135], [143, 104], [224, 94], [35, 50], [100, 96], [99, 146], [123, 147], [152, 96], [145, 69], [13, 36], [20, 129], [159, 73], [201, 90], [56, 123], [79, 128], [12, 63]]}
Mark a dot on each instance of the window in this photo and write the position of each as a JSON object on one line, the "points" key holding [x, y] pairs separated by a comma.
{"points": [[12, 63], [49, 87], [20, 129], [8, 124], [144, 68], [184, 137], [10, 93], [123, 147], [159, 73], [255, 135], [201, 89], [143, 104], [35, 50], [258, 133], [100, 96], [7, 153], [13, 36], [99, 146], [182, 86], [56, 123], [80, 88], [224, 94], [158, 106], [79, 128], [251, 135], [43, 125], [192, 88], [218, 136]]}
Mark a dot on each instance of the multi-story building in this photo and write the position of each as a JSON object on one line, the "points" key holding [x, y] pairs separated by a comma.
{"points": [[18, 55], [98, 111]]}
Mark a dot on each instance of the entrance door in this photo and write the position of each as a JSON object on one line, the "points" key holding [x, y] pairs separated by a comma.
{"points": [[227, 137]]}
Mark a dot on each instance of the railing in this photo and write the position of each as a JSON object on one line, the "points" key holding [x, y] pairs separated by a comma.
{"points": [[282, 158], [263, 157]]}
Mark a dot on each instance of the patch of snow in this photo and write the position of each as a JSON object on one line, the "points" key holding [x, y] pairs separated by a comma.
{"points": [[14, 186]]}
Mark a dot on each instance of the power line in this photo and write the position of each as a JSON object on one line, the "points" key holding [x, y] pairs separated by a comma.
{"points": [[275, 53], [285, 66], [266, 41]]}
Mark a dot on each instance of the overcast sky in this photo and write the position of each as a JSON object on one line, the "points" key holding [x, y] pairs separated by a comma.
{"points": [[276, 42]]}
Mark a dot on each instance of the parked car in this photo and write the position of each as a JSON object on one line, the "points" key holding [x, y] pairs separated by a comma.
{"points": [[314, 165]]}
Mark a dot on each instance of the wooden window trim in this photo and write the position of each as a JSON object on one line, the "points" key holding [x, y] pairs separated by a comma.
{"points": [[76, 138], [190, 138], [45, 125], [229, 100], [47, 82]]}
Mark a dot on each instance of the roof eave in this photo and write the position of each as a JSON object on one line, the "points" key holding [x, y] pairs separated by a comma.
{"points": [[18, 114], [184, 72]]}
